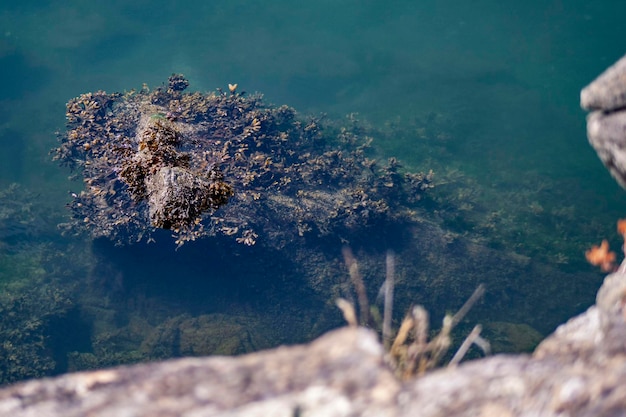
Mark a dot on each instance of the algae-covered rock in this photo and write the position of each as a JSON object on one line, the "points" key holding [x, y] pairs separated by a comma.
{"points": [[177, 197], [223, 163], [512, 337]]}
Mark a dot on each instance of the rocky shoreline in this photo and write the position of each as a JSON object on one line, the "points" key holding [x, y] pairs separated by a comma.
{"points": [[577, 371]]}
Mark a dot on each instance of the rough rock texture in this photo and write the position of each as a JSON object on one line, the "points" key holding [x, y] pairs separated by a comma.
{"points": [[607, 92], [341, 371], [577, 371], [606, 125], [606, 135]]}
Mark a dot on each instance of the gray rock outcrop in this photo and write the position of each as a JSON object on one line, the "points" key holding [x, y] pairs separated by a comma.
{"points": [[606, 124]]}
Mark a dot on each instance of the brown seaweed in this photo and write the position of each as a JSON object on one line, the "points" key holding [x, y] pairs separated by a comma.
{"points": [[223, 163]]}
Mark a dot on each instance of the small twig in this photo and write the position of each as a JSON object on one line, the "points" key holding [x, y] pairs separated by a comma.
{"points": [[357, 281], [478, 292], [388, 308], [467, 343], [483, 345], [420, 315]]}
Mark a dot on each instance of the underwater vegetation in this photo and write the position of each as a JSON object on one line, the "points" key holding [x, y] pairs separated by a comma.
{"points": [[182, 335], [27, 318], [223, 163], [36, 289], [529, 213], [18, 216], [270, 197]]}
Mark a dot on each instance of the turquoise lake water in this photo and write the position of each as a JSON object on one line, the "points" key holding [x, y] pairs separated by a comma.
{"points": [[507, 75], [501, 80]]}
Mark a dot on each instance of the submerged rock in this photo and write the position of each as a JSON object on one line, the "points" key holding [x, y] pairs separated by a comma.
{"points": [[223, 164], [177, 197]]}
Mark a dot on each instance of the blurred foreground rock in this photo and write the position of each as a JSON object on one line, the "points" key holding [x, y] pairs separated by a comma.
{"points": [[577, 371], [606, 124]]}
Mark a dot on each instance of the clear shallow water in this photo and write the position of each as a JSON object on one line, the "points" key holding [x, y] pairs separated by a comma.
{"points": [[505, 79], [507, 75]]}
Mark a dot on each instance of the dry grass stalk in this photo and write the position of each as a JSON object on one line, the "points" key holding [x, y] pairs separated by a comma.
{"points": [[478, 292], [472, 338], [349, 314], [388, 307], [410, 354], [357, 282]]}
